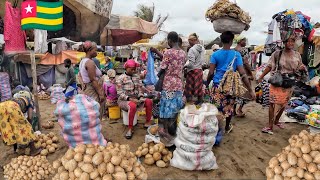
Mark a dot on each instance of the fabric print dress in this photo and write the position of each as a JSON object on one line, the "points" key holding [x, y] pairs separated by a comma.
{"points": [[172, 95], [14, 127]]}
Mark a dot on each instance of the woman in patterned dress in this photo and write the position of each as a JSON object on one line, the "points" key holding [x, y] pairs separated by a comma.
{"points": [[14, 127], [171, 100]]}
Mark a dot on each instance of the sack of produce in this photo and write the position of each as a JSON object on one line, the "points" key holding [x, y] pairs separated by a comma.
{"points": [[194, 161], [79, 121], [299, 160], [228, 16], [196, 134], [56, 93]]}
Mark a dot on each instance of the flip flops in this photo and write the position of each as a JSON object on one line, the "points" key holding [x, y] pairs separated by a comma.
{"points": [[267, 130], [280, 125], [230, 129]]}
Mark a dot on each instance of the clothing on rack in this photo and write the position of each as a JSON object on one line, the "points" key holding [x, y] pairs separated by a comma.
{"points": [[14, 37], [40, 41]]}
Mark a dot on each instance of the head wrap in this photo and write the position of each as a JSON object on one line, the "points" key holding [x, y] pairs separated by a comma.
{"points": [[286, 35], [111, 73], [88, 46], [193, 36], [131, 64], [239, 38]]}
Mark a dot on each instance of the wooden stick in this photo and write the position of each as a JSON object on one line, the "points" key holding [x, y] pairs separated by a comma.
{"points": [[35, 89]]}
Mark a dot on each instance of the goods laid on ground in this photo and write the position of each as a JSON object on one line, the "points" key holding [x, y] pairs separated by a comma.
{"points": [[43, 96], [154, 154], [228, 16], [299, 160], [48, 142], [313, 119], [196, 135], [79, 121], [98, 162], [28, 167], [48, 125]]}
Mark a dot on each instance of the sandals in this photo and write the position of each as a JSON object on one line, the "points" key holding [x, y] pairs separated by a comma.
{"points": [[129, 134], [267, 130], [227, 131], [280, 125]]}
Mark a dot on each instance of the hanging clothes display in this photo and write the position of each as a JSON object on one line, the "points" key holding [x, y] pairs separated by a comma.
{"points": [[40, 41], [14, 37]]}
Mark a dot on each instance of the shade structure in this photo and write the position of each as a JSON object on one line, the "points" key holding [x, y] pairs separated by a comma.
{"points": [[124, 30]]}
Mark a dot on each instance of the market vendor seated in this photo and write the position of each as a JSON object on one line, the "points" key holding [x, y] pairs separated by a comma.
{"points": [[15, 128], [130, 95], [110, 88]]}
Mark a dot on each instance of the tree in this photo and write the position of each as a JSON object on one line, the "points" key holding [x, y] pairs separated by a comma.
{"points": [[147, 13]]}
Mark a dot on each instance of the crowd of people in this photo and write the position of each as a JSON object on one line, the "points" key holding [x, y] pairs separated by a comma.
{"points": [[183, 78]]}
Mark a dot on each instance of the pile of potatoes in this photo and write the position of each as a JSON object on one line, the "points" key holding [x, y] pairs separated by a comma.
{"points": [[100, 163], [154, 154], [299, 160], [28, 167], [43, 96], [48, 142]]}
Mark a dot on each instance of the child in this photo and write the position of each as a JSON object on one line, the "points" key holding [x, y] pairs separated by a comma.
{"points": [[110, 89]]}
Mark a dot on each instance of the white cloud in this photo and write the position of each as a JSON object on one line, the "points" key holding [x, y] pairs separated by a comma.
{"points": [[188, 16]]}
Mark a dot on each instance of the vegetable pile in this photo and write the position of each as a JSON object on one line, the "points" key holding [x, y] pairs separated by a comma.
{"points": [[98, 162], [43, 96], [47, 142], [154, 154], [299, 160], [28, 167], [225, 8], [313, 119]]}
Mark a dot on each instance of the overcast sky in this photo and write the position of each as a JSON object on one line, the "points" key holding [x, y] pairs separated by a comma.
{"points": [[188, 16]]}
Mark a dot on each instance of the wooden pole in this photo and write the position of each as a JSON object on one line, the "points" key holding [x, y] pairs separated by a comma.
{"points": [[34, 85]]}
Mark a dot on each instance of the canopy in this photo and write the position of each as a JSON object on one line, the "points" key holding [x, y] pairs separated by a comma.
{"points": [[51, 59], [124, 30]]}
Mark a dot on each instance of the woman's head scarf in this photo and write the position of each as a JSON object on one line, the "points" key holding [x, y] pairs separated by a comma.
{"points": [[239, 38], [88, 46], [131, 64]]}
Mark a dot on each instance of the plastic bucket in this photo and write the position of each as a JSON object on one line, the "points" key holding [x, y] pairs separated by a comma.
{"points": [[114, 112], [125, 118]]}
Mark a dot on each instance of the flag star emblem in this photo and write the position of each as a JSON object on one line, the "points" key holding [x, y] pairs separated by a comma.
{"points": [[29, 9]]}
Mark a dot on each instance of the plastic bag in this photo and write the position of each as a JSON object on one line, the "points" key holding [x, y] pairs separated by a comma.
{"points": [[151, 78]]}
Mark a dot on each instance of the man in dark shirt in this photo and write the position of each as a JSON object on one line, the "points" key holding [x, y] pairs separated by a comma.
{"points": [[71, 84]]}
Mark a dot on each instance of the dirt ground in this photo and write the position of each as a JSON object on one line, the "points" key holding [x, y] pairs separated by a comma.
{"points": [[243, 154]]}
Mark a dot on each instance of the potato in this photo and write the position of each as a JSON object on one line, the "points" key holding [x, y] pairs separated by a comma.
{"points": [[52, 149], [269, 173], [120, 176], [145, 145], [307, 158], [148, 156], [313, 154], [292, 159], [88, 168], [302, 163], [130, 176], [91, 151], [107, 177], [317, 175], [64, 175], [273, 162], [69, 154], [297, 151], [305, 149], [87, 158], [156, 156], [317, 159], [312, 168], [110, 168], [154, 130], [102, 168], [107, 157], [97, 159], [94, 174], [144, 151], [291, 172], [308, 176], [49, 142], [78, 172], [149, 161], [84, 176], [300, 173], [138, 153], [55, 139], [80, 149], [278, 170], [118, 169], [161, 164], [44, 152], [78, 157], [116, 160], [285, 165]]}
